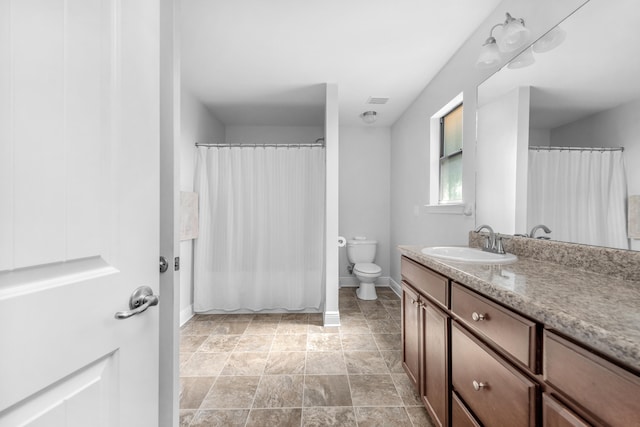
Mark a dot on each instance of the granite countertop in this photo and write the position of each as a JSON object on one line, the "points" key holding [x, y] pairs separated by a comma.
{"points": [[598, 310]]}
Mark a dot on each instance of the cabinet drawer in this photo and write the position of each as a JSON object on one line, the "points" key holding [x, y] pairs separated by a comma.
{"points": [[460, 415], [510, 331], [494, 391], [606, 391], [555, 414], [425, 280]]}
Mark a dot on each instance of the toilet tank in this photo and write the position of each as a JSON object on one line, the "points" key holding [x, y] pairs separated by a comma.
{"points": [[361, 250]]}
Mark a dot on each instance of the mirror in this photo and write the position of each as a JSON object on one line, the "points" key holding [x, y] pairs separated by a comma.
{"points": [[583, 93]]}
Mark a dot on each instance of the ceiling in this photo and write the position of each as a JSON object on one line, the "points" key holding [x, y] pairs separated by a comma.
{"points": [[265, 62]]}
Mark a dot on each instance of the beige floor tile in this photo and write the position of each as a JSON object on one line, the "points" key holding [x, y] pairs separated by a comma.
{"points": [[230, 328], [325, 362], [221, 418], [405, 389], [329, 416], [290, 417], [379, 417], [285, 362], [220, 343], [190, 343], [373, 390], [186, 416], [393, 360], [193, 391], [204, 364], [261, 328], [231, 392], [290, 343], [245, 364], [279, 391], [355, 327], [388, 326], [291, 328], [365, 362], [198, 328], [326, 390], [324, 342], [388, 341], [419, 416], [358, 342], [254, 343]]}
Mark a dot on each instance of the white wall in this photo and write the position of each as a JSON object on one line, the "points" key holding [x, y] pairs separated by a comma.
{"points": [[617, 127], [273, 134], [365, 193], [503, 131], [410, 224], [197, 125]]}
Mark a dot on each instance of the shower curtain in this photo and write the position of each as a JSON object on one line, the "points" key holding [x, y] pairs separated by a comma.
{"points": [[261, 239], [580, 195]]}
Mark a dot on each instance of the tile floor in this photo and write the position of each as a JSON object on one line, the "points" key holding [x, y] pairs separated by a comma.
{"points": [[288, 370]]}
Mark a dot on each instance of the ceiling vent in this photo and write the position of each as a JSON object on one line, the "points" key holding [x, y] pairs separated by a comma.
{"points": [[374, 100]]}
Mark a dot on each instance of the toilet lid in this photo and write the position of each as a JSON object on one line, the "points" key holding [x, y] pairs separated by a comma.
{"points": [[368, 268]]}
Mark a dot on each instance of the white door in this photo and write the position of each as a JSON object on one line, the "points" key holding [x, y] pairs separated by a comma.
{"points": [[79, 184]]}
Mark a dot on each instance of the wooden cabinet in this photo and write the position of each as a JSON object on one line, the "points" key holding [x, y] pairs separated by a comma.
{"points": [[599, 390], [460, 415], [411, 333], [425, 345], [496, 392], [435, 363], [555, 414], [514, 334], [476, 362]]}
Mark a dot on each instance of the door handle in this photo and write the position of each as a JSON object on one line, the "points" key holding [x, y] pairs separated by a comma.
{"points": [[141, 299]]}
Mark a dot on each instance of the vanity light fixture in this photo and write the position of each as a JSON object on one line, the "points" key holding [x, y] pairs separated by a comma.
{"points": [[550, 41], [514, 35], [523, 60], [369, 117]]}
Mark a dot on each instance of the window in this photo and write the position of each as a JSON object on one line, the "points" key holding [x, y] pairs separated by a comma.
{"points": [[445, 160], [450, 165]]}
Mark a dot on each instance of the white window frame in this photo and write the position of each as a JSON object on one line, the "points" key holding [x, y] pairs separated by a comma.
{"points": [[434, 205]]}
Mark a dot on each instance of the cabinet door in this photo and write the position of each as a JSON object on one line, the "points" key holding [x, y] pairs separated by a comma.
{"points": [[435, 392], [411, 333], [555, 414]]}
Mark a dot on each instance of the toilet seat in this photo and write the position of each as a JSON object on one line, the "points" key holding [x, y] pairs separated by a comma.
{"points": [[367, 268]]}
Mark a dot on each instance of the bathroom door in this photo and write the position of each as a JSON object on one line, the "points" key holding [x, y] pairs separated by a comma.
{"points": [[79, 180]]}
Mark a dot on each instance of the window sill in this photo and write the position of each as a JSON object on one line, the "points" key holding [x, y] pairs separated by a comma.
{"points": [[448, 209]]}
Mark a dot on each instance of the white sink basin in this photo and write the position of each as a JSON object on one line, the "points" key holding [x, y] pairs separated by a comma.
{"points": [[469, 255]]}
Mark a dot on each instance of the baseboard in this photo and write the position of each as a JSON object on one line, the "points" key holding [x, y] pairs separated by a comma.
{"points": [[352, 281], [186, 314], [397, 289], [331, 318]]}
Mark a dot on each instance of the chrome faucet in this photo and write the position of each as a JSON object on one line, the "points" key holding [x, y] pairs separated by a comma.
{"points": [[493, 243], [544, 228]]}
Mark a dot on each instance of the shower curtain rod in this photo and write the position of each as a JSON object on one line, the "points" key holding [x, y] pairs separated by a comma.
{"points": [[601, 149], [318, 143]]}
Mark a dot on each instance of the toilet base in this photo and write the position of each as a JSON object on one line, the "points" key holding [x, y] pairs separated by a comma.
{"points": [[367, 291]]}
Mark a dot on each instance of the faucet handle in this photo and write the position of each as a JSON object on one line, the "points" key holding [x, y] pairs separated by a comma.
{"points": [[499, 248]]}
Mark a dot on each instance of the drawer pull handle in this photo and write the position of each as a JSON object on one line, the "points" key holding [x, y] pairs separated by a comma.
{"points": [[477, 316], [479, 385]]}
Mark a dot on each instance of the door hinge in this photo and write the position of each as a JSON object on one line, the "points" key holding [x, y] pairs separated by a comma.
{"points": [[176, 263]]}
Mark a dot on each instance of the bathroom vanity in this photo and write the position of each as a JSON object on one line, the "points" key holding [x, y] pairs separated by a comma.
{"points": [[532, 343]]}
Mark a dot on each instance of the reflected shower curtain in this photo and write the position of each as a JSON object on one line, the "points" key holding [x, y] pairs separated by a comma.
{"points": [[579, 195], [261, 237]]}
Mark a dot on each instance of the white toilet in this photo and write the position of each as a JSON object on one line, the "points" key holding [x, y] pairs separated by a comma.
{"points": [[361, 253]]}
